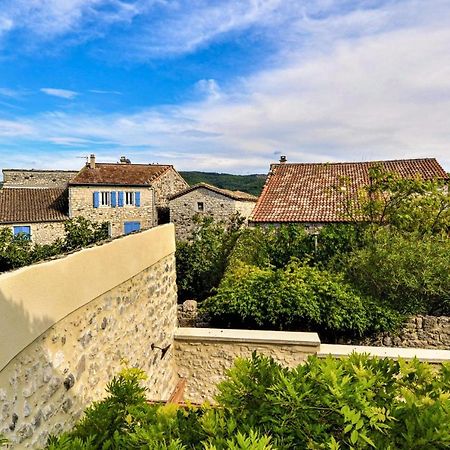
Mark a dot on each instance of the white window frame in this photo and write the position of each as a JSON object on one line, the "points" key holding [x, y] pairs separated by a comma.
{"points": [[104, 200], [128, 198]]}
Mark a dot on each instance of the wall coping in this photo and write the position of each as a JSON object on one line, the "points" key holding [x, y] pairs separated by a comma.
{"points": [[34, 298], [423, 354], [251, 336]]}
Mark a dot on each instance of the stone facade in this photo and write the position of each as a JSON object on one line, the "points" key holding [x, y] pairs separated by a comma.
{"points": [[81, 204], [204, 364], [47, 386], [167, 184], [37, 178], [42, 232], [218, 206], [417, 332]]}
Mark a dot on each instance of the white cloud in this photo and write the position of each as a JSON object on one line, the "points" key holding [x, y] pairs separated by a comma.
{"points": [[11, 128], [62, 93], [352, 92]]}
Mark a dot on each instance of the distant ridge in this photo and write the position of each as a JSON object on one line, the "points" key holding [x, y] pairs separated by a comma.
{"points": [[251, 184]]}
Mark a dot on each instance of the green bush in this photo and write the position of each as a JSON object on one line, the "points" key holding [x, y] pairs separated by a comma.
{"points": [[19, 251], [201, 261], [352, 403], [292, 298], [409, 271]]}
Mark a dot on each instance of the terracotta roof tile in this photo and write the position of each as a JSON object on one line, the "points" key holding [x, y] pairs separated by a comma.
{"points": [[235, 195], [22, 205], [305, 192], [119, 174]]}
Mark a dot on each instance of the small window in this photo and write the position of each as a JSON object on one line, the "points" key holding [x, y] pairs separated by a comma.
{"points": [[200, 207], [105, 198], [22, 231], [129, 198]]}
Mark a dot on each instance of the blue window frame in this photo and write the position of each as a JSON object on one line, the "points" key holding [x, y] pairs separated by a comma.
{"points": [[22, 231], [131, 227]]}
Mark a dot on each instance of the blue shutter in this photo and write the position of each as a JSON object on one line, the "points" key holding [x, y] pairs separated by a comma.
{"points": [[22, 231], [130, 227], [113, 199], [137, 198], [120, 197], [96, 199]]}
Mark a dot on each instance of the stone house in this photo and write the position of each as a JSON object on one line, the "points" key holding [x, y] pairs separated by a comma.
{"points": [[206, 200], [38, 213], [130, 197], [306, 192]]}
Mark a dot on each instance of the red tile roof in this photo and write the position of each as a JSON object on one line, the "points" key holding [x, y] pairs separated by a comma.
{"points": [[304, 192], [235, 195], [109, 174], [26, 205]]}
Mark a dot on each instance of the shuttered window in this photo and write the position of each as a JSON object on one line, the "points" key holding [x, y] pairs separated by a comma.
{"points": [[131, 227], [24, 231]]}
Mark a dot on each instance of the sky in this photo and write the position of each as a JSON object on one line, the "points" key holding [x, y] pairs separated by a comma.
{"points": [[225, 86]]}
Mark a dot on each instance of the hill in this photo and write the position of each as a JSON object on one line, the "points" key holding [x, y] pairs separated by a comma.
{"points": [[252, 184]]}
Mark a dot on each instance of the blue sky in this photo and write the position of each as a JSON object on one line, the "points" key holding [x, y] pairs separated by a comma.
{"points": [[223, 85]]}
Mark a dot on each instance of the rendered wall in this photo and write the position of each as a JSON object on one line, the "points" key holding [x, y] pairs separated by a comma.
{"points": [[81, 204], [67, 325]]}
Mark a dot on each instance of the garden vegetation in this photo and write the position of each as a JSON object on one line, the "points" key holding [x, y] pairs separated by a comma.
{"points": [[337, 404], [390, 259]]}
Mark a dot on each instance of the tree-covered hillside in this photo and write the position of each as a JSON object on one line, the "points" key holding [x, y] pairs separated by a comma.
{"points": [[252, 184]]}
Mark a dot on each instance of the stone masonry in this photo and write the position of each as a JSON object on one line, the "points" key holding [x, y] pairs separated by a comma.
{"points": [[417, 332], [81, 204], [47, 386], [165, 185], [37, 178], [220, 207], [43, 232]]}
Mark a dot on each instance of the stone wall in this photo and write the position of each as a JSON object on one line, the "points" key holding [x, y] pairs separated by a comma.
{"points": [[204, 354], [37, 178], [221, 208], [42, 232], [45, 386], [81, 204], [166, 185], [417, 332]]}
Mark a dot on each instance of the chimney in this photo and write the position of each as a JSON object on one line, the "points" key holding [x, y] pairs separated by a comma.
{"points": [[92, 161], [124, 160], [283, 159]]}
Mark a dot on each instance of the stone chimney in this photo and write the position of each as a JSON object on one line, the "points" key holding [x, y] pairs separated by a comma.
{"points": [[92, 161], [283, 159], [124, 160]]}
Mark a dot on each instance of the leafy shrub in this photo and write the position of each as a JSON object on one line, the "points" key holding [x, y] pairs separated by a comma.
{"points": [[19, 251], [275, 246], [352, 403], [409, 271], [201, 261], [295, 297]]}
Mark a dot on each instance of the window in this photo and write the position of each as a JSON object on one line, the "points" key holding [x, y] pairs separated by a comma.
{"points": [[131, 227], [129, 198], [22, 231], [200, 207], [105, 198]]}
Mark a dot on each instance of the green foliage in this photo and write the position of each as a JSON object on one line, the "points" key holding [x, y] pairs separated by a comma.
{"points": [[295, 297], [409, 204], [409, 271], [252, 184], [201, 261], [81, 232], [352, 403], [3, 440], [19, 251]]}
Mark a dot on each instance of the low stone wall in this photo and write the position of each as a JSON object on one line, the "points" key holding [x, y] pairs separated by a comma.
{"points": [[417, 332], [67, 326], [204, 354]]}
